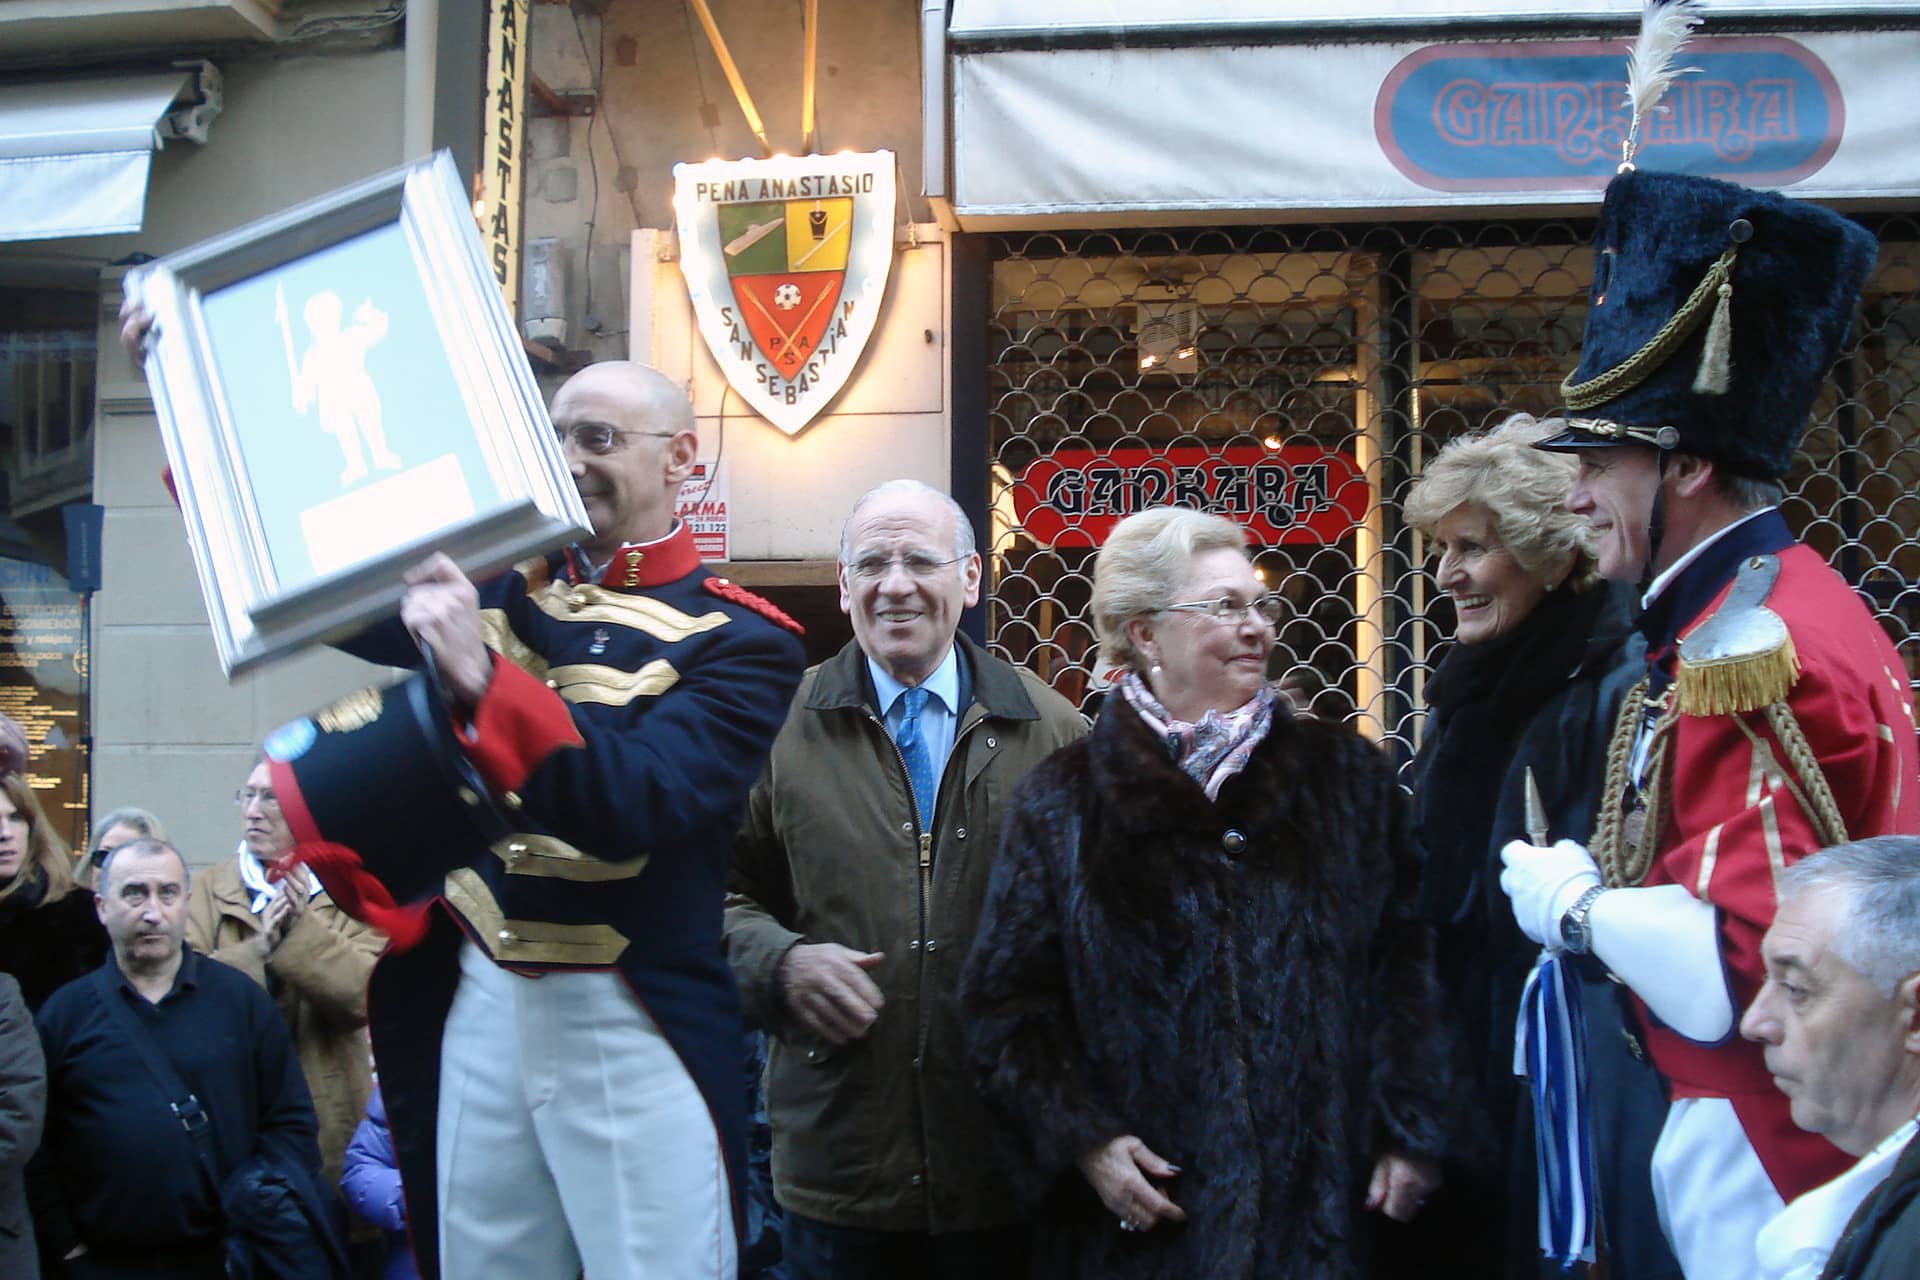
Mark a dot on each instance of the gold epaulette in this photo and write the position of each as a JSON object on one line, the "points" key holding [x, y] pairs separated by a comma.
{"points": [[1742, 657]]}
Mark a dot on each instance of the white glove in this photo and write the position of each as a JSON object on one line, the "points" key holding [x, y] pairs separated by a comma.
{"points": [[1543, 882]]}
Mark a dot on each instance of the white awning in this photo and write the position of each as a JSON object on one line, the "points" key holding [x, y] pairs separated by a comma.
{"points": [[986, 20], [1077, 130], [74, 154]]}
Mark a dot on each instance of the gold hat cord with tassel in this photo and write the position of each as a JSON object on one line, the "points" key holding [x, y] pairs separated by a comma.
{"points": [[1716, 287]]}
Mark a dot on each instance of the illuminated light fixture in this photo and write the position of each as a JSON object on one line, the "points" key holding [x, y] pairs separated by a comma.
{"points": [[1272, 442], [1184, 353], [1148, 360]]}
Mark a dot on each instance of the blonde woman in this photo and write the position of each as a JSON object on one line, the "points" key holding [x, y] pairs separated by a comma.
{"points": [[1531, 680]]}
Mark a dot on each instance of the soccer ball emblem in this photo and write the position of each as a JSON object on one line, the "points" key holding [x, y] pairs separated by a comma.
{"points": [[787, 297]]}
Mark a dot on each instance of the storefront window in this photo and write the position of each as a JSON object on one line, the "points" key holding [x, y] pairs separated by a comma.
{"points": [[1296, 379]]}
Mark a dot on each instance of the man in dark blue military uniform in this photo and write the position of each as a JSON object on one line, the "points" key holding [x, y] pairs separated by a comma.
{"points": [[617, 702]]}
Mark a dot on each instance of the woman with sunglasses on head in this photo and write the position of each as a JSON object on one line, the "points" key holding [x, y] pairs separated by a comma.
{"points": [[49, 934], [1530, 682], [1198, 993]]}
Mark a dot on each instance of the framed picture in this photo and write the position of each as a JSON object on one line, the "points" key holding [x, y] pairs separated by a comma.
{"points": [[342, 391]]}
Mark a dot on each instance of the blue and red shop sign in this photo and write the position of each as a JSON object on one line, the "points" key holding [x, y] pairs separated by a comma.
{"points": [[1551, 115], [1295, 494]]}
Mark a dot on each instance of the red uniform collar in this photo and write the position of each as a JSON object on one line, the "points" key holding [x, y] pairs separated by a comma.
{"points": [[644, 564]]}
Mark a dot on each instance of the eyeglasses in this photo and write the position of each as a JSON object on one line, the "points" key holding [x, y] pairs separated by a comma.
{"points": [[915, 564], [247, 795], [598, 438], [1265, 607]]}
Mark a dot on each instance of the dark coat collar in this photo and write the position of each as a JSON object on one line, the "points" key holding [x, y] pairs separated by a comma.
{"points": [[842, 683], [1689, 594]]}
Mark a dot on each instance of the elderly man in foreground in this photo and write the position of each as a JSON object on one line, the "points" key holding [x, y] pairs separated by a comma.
{"points": [[1839, 1017]]}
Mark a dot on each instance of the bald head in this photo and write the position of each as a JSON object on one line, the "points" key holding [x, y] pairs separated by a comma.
{"points": [[648, 391], [629, 488]]}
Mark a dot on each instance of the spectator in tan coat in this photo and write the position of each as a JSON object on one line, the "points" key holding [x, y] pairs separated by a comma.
{"points": [[313, 959]]}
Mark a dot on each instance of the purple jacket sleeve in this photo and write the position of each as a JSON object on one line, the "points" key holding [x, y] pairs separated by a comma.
{"points": [[368, 1178]]}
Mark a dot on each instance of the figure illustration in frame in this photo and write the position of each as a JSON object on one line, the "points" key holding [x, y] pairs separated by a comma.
{"points": [[332, 376]]}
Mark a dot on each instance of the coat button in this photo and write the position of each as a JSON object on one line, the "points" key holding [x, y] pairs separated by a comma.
{"points": [[960, 833], [907, 827], [932, 946], [992, 742], [813, 1055], [468, 796], [1233, 841], [914, 945], [507, 937], [1634, 1047], [917, 1179], [511, 799]]}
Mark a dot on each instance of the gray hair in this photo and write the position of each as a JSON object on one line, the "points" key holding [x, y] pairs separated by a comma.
{"points": [[1522, 489], [1143, 562], [129, 816], [963, 543], [1749, 493], [1879, 933], [145, 844]]}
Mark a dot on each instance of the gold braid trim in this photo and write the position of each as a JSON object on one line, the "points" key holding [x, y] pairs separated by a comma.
{"points": [[1825, 811], [1622, 866], [1639, 366], [1746, 682]]}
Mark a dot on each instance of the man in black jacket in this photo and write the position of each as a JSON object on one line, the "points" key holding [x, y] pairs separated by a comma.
{"points": [[166, 1072]]}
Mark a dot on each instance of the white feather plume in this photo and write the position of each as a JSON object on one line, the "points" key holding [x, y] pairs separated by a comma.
{"points": [[1664, 28]]}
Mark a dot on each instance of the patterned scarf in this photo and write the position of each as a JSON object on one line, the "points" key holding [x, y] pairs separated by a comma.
{"points": [[1217, 747]]}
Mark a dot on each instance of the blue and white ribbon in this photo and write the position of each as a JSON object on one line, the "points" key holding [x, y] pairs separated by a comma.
{"points": [[1550, 1050]]}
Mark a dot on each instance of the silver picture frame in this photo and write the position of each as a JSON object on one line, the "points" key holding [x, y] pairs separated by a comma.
{"points": [[341, 392]]}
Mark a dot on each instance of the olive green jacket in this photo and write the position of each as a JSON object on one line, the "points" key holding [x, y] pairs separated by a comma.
{"points": [[887, 1132]]}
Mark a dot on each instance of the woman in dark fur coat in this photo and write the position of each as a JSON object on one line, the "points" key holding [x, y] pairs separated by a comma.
{"points": [[1536, 671], [49, 933], [1198, 991]]}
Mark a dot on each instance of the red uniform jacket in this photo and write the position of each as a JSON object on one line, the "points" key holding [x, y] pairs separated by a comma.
{"points": [[1736, 816]]}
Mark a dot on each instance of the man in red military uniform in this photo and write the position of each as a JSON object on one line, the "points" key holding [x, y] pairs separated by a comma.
{"points": [[1776, 717]]}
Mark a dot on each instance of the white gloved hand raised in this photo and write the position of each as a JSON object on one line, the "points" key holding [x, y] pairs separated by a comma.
{"points": [[1542, 882]]}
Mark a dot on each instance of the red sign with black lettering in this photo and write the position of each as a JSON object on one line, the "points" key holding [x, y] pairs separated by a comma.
{"points": [[1296, 494]]}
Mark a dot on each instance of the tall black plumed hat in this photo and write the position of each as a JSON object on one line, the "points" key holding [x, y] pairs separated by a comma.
{"points": [[1716, 310]]}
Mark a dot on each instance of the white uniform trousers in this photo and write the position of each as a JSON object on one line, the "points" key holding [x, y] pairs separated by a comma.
{"points": [[1711, 1190], [570, 1133]]}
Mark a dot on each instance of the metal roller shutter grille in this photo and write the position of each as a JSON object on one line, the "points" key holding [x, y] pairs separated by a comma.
{"points": [[1256, 362]]}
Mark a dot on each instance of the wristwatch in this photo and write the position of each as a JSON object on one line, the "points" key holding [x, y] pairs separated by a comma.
{"points": [[1574, 934]]}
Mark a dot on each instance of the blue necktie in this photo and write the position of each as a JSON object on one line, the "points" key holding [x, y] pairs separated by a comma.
{"points": [[913, 751]]}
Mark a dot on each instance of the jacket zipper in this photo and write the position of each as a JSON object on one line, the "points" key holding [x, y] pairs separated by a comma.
{"points": [[923, 841]]}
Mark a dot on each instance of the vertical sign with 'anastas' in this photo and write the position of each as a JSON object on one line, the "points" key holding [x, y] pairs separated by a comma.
{"points": [[496, 176], [786, 263]]}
